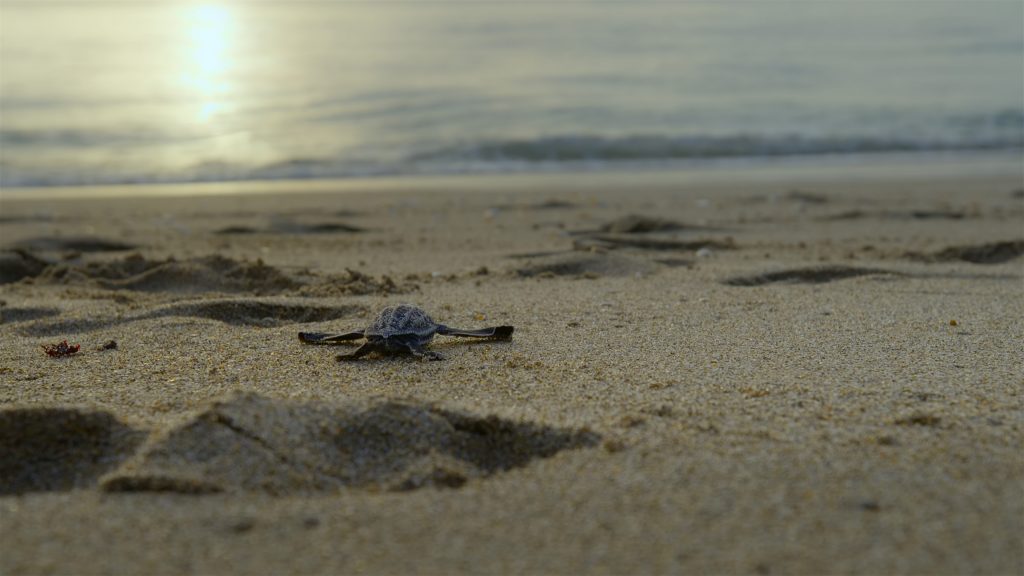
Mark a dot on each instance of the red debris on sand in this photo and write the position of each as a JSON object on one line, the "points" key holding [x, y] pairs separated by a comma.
{"points": [[62, 349]]}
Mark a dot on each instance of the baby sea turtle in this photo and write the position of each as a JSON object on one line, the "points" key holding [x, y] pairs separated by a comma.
{"points": [[402, 329]]}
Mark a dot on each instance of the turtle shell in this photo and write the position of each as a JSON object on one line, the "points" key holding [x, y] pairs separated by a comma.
{"points": [[402, 320]]}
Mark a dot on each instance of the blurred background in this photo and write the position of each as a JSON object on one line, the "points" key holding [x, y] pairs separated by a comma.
{"points": [[141, 91]]}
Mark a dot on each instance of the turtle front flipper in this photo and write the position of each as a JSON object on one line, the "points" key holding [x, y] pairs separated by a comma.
{"points": [[359, 353], [492, 332], [328, 338]]}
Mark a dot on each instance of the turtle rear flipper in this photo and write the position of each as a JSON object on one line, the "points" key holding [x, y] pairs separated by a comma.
{"points": [[360, 352], [492, 332], [328, 338], [418, 351]]}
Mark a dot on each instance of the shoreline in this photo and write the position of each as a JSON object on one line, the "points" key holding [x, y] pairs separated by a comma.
{"points": [[796, 169]]}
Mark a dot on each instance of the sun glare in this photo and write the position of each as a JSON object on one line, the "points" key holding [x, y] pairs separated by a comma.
{"points": [[209, 34]]}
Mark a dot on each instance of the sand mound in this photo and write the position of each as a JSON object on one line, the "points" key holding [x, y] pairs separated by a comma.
{"points": [[73, 244], [251, 443], [584, 265], [206, 274], [811, 275], [50, 449]]}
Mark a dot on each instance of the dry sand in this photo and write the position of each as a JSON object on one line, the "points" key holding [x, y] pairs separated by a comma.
{"points": [[776, 370]]}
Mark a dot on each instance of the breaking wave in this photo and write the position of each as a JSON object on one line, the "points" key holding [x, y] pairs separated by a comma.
{"points": [[1003, 131], [641, 148]]}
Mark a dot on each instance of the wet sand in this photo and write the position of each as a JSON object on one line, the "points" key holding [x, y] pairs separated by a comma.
{"points": [[775, 370]]}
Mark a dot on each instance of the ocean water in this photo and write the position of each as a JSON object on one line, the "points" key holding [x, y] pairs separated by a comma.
{"points": [[165, 91]]}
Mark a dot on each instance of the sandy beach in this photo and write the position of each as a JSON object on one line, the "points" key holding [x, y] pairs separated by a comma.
{"points": [[786, 369]]}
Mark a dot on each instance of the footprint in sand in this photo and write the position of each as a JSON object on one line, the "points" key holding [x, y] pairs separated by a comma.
{"points": [[810, 275], [24, 314], [552, 204], [18, 264], [612, 241], [589, 257], [285, 226], [25, 218], [193, 276], [206, 274], [990, 253], [646, 233], [857, 214], [73, 244], [636, 224], [258, 313], [238, 312], [56, 449], [251, 443], [584, 265]]}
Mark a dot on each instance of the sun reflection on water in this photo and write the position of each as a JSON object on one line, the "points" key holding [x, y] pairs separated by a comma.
{"points": [[209, 28]]}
